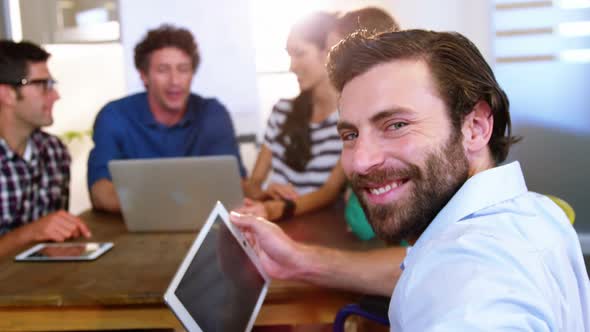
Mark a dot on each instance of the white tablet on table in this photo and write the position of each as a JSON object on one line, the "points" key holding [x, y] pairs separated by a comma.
{"points": [[70, 251], [220, 285]]}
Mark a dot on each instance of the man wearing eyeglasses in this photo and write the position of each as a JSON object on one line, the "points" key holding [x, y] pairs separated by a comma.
{"points": [[34, 165]]}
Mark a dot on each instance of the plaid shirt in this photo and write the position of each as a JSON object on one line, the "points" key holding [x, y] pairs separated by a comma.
{"points": [[32, 189]]}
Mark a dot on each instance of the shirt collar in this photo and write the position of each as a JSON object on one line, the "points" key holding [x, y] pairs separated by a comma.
{"points": [[34, 145], [482, 190], [144, 113], [5, 151], [28, 154], [147, 117], [191, 113]]}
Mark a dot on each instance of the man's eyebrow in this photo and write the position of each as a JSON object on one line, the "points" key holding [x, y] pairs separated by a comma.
{"points": [[343, 125], [380, 116]]}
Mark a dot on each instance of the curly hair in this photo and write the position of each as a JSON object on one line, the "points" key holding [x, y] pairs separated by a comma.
{"points": [[460, 73], [165, 36]]}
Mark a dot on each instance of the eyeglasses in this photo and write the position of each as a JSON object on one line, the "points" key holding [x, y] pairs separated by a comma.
{"points": [[47, 84]]}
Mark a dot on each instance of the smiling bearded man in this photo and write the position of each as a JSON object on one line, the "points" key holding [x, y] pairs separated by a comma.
{"points": [[425, 128], [433, 184]]}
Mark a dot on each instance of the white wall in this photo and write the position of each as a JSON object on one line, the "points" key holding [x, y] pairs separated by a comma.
{"points": [[89, 76], [472, 18]]}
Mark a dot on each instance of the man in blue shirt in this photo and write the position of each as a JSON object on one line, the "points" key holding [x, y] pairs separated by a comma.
{"points": [[424, 126], [165, 121]]}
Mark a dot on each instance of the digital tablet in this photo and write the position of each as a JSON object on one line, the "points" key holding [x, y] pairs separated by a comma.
{"points": [[220, 285], [76, 251]]}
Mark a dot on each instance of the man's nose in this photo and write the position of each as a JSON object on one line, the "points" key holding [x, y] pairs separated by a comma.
{"points": [[175, 76], [292, 66], [368, 154], [54, 94]]}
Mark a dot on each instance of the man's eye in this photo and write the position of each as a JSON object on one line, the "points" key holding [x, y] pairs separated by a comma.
{"points": [[397, 125], [348, 136], [162, 69], [185, 69]]}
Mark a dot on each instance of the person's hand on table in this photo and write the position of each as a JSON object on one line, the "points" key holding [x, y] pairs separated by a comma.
{"points": [[252, 207], [58, 226], [270, 210], [280, 191]]}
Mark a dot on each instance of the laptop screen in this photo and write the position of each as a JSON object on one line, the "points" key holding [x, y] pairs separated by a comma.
{"points": [[221, 286]]}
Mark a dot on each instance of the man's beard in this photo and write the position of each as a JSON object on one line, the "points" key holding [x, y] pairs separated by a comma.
{"points": [[445, 170]]}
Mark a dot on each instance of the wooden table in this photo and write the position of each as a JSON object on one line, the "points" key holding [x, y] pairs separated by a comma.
{"points": [[124, 288]]}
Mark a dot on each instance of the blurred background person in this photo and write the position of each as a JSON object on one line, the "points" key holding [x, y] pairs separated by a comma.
{"points": [[165, 121], [35, 165], [301, 148]]}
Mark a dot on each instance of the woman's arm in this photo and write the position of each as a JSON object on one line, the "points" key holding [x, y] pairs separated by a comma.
{"points": [[252, 186], [325, 195]]}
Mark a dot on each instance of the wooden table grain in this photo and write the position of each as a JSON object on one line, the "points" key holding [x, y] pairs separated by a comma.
{"points": [[124, 288]]}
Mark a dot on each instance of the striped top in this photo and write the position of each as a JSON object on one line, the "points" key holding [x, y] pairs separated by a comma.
{"points": [[325, 149]]}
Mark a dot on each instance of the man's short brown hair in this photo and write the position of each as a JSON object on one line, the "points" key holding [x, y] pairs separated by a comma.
{"points": [[162, 37], [460, 72], [15, 58]]}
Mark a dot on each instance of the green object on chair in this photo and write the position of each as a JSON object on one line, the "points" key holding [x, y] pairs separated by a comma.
{"points": [[356, 219], [568, 209]]}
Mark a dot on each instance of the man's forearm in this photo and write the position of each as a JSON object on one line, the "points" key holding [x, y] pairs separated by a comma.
{"points": [[104, 196], [14, 240], [374, 272]]}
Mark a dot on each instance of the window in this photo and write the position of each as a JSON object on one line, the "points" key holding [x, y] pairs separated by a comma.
{"points": [[64, 21]]}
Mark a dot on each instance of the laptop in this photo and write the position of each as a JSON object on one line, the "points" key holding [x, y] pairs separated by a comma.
{"points": [[220, 285], [174, 194]]}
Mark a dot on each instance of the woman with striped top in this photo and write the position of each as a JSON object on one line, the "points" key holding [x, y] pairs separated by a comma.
{"points": [[301, 144]]}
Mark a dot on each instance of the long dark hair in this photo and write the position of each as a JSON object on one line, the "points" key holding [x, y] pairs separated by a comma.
{"points": [[295, 133]]}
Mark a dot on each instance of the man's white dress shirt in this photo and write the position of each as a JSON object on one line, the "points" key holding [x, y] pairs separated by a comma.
{"points": [[496, 257]]}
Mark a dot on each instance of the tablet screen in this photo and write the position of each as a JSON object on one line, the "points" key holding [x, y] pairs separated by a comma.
{"points": [[221, 286], [73, 250], [64, 251]]}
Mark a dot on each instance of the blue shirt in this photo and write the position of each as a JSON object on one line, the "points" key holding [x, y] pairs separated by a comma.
{"points": [[127, 129], [496, 257]]}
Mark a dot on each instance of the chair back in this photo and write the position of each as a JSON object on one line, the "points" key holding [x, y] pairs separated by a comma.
{"points": [[568, 209]]}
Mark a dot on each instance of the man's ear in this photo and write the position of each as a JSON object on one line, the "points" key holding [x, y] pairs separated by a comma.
{"points": [[143, 77], [477, 128], [7, 94]]}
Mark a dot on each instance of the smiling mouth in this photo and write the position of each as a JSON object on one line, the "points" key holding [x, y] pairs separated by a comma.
{"points": [[386, 188]]}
